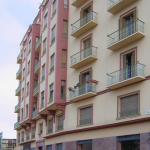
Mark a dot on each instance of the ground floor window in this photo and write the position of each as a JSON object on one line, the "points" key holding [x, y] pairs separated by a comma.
{"points": [[85, 145], [131, 142]]}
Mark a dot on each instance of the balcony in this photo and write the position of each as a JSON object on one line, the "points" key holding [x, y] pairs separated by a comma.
{"points": [[37, 45], [37, 67], [126, 76], [17, 108], [114, 6], [126, 35], [128, 113], [17, 126], [84, 24], [35, 114], [77, 3], [18, 74], [19, 59], [83, 91], [83, 57], [18, 90], [86, 121], [60, 127], [36, 91]]}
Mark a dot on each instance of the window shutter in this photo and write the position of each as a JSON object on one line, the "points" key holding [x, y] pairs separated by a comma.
{"points": [[129, 102], [86, 113], [36, 60], [60, 120], [64, 26]]}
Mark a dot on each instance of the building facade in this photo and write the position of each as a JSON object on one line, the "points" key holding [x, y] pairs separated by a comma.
{"points": [[84, 77]]}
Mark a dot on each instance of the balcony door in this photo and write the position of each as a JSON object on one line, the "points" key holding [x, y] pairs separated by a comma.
{"points": [[86, 51]]}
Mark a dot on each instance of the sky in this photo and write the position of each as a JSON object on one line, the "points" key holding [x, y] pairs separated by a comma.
{"points": [[16, 16]]}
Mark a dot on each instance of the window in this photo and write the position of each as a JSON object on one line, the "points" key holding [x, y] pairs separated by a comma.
{"points": [[45, 20], [129, 105], [24, 54], [85, 115], [63, 83], [60, 122], [22, 114], [54, 7], [49, 147], [22, 136], [51, 92], [65, 4], [29, 46], [129, 142], [64, 58], [53, 34], [42, 99], [26, 111], [59, 146], [28, 67], [19, 138], [52, 63], [129, 67], [127, 24], [85, 145], [23, 74], [28, 133], [65, 28], [43, 72], [41, 128], [33, 132], [27, 89], [34, 106], [22, 94], [50, 126], [44, 47], [37, 38]]}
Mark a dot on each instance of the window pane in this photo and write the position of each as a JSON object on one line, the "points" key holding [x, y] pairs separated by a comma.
{"points": [[45, 18], [64, 26], [44, 45], [43, 70], [53, 33], [60, 120], [86, 113], [52, 61], [54, 6]]}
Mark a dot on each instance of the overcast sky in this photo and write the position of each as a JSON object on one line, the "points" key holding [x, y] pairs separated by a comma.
{"points": [[16, 16]]}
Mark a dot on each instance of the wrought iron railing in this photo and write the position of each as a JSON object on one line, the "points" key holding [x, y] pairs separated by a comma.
{"points": [[18, 89], [51, 99], [17, 106], [18, 72], [38, 43], [90, 51], [44, 52], [36, 89], [18, 57], [54, 12], [35, 113], [53, 40], [86, 121], [62, 96], [127, 113], [129, 29], [65, 6], [125, 73], [33, 136], [42, 104], [111, 3], [37, 65], [52, 69], [50, 130], [60, 127], [64, 65], [84, 20], [43, 78], [16, 125], [65, 35]]}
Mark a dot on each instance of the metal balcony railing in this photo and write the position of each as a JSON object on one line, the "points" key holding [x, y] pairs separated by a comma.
{"points": [[86, 121], [18, 72], [18, 57], [17, 106], [125, 73], [42, 105], [37, 65], [50, 130], [51, 99], [129, 29], [111, 3], [90, 51], [36, 89], [18, 89], [38, 43], [52, 69], [35, 113], [44, 52], [84, 20], [127, 113], [16, 125], [60, 127], [82, 89]]}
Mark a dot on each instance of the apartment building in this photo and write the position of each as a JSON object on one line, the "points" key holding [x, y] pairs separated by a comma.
{"points": [[100, 98]]}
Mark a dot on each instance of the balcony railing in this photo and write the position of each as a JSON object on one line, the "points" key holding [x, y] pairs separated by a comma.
{"points": [[52, 69], [90, 51], [16, 125], [43, 78], [86, 121], [17, 106], [83, 89], [53, 40], [128, 30], [18, 89], [38, 43], [42, 105], [44, 52], [62, 96], [111, 3], [19, 57], [125, 73], [35, 113], [36, 89], [45, 26], [127, 113], [33, 136], [37, 65], [50, 130], [60, 127], [51, 99], [18, 72], [84, 20]]}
